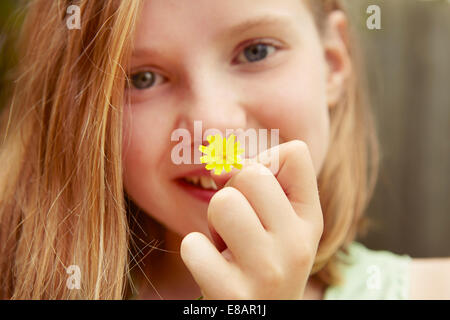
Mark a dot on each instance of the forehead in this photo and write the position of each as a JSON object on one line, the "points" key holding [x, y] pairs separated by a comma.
{"points": [[163, 21]]}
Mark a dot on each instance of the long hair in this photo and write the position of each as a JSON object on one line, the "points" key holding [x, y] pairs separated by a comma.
{"points": [[62, 200], [61, 190], [349, 173]]}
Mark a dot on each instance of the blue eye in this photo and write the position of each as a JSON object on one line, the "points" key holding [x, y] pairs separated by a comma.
{"points": [[257, 52], [253, 53], [143, 80]]}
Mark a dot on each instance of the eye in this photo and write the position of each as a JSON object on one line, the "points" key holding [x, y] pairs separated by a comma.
{"points": [[144, 79], [256, 52]]}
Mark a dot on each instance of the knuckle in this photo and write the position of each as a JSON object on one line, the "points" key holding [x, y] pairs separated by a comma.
{"points": [[186, 241], [303, 255], [317, 228], [273, 275], [320, 227], [299, 149], [299, 146], [220, 201], [245, 176]]}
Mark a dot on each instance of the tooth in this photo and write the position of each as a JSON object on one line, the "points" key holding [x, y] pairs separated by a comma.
{"points": [[213, 184], [193, 180], [205, 182]]}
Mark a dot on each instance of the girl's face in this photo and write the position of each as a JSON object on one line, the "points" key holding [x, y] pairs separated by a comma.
{"points": [[231, 65]]}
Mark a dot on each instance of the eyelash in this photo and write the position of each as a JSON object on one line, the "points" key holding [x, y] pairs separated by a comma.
{"points": [[246, 46], [257, 42]]}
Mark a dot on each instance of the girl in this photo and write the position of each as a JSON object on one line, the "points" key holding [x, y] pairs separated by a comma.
{"points": [[88, 181]]}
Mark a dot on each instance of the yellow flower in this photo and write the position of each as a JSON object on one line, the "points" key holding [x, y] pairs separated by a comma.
{"points": [[221, 153]]}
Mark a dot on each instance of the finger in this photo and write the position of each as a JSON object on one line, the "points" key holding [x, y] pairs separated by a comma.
{"points": [[292, 165], [221, 180], [208, 267], [238, 225], [265, 195]]}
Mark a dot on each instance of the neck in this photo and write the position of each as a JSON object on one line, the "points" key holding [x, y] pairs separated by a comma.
{"points": [[167, 277]]}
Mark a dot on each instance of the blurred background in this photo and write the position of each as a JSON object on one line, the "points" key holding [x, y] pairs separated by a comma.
{"points": [[10, 21], [409, 80], [408, 64]]}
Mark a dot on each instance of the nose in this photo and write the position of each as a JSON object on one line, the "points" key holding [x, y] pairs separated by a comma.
{"points": [[212, 102]]}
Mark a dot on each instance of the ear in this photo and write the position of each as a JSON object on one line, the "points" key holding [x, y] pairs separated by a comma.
{"points": [[335, 44]]}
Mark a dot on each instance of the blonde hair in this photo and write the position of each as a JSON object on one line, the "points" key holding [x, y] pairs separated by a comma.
{"points": [[62, 200], [349, 174]]}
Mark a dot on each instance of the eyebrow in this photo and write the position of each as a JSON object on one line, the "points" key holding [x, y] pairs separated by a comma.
{"points": [[267, 20]]}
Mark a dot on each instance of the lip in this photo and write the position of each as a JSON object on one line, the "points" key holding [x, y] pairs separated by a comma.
{"points": [[196, 172], [197, 192]]}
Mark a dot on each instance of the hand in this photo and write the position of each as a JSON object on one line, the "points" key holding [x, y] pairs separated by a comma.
{"points": [[271, 224]]}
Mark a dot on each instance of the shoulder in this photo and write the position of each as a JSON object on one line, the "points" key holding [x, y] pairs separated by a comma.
{"points": [[430, 278], [371, 274]]}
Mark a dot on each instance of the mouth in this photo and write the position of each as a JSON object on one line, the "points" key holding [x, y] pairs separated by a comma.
{"points": [[203, 182], [201, 187]]}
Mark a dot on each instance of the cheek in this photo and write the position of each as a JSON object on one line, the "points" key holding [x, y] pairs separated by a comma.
{"points": [[294, 101], [144, 143]]}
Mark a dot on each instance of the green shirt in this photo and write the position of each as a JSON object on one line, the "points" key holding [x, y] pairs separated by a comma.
{"points": [[371, 275]]}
